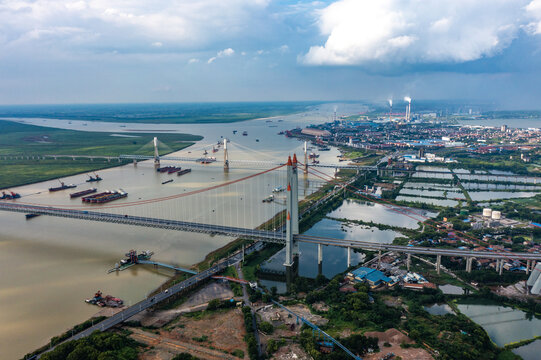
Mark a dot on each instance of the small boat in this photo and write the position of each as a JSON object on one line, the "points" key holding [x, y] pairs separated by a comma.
{"points": [[245, 133], [256, 140], [268, 199], [234, 132], [278, 189], [167, 181]]}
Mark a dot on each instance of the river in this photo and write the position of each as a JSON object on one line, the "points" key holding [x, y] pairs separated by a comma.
{"points": [[50, 265]]}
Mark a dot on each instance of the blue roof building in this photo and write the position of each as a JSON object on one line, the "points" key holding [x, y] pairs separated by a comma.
{"points": [[374, 277]]}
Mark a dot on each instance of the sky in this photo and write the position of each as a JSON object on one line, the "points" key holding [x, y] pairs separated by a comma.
{"points": [[103, 51]]}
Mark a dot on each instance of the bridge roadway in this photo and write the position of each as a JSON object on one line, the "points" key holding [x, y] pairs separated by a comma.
{"points": [[417, 249], [254, 234]]}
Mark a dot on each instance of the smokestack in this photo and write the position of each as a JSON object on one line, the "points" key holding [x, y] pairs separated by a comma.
{"points": [[408, 108]]}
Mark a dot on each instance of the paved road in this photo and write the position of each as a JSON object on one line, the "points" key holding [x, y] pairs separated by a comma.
{"points": [[247, 302]]}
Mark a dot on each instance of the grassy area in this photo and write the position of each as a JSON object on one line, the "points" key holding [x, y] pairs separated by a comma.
{"points": [[28, 140], [172, 113]]}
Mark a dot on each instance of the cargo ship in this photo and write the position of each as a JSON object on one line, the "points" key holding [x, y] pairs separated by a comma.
{"points": [[82, 193], [10, 196], [185, 171], [105, 197], [62, 187], [132, 258], [102, 301], [94, 179]]}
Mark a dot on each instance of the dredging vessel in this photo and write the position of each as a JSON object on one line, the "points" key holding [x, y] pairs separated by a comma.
{"points": [[10, 196], [62, 187], [94, 179], [132, 258]]}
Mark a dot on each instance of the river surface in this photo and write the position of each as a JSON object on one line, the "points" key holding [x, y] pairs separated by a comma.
{"points": [[50, 265], [503, 324]]}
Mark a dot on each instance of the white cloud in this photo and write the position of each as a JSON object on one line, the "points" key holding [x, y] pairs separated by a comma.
{"points": [[365, 31], [226, 52], [211, 60], [128, 23], [193, 61], [283, 49], [534, 11]]}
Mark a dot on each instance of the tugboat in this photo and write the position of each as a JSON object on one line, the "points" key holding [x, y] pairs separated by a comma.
{"points": [[245, 133], [94, 179], [62, 187], [268, 199], [108, 300], [234, 132]]}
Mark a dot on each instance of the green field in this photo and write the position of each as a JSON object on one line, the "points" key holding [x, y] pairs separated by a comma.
{"points": [[28, 140], [172, 113]]}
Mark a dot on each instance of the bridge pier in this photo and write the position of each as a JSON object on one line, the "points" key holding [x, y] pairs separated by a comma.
{"points": [[500, 270], [438, 263], [528, 263], [134, 162], [156, 154], [469, 261], [408, 262], [305, 157], [226, 157], [379, 258], [349, 256]]}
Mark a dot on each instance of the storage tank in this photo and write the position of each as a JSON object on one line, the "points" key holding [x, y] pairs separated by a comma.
{"points": [[496, 215], [487, 212]]}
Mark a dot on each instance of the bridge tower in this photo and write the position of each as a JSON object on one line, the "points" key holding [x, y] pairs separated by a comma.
{"points": [[156, 154], [305, 157], [292, 213], [226, 156]]}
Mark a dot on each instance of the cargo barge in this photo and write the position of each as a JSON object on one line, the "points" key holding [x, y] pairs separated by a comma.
{"points": [[167, 181], [168, 169], [185, 171], [82, 193], [102, 301], [30, 216], [105, 197], [62, 187], [10, 196]]}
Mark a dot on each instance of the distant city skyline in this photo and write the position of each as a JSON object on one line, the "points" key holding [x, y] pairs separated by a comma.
{"points": [[93, 51]]}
